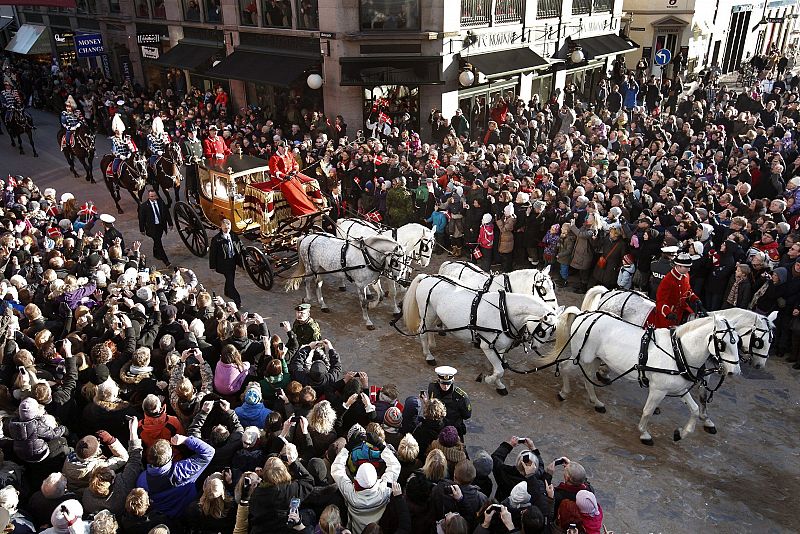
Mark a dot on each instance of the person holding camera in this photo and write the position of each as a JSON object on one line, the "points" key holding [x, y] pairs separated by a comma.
{"points": [[285, 484], [317, 365], [528, 467]]}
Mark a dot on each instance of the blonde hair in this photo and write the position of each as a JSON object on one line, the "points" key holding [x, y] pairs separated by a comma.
{"points": [[330, 521], [435, 467], [214, 502], [275, 473], [322, 418], [434, 410], [407, 449], [137, 502], [185, 389]]}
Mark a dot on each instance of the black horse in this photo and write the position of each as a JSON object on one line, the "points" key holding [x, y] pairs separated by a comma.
{"points": [[19, 123], [132, 175], [83, 149], [167, 172]]}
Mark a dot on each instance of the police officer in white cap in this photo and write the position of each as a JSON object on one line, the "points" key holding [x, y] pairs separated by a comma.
{"points": [[455, 399], [660, 267]]}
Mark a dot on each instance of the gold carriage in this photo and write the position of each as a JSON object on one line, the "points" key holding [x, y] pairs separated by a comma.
{"points": [[276, 213]]}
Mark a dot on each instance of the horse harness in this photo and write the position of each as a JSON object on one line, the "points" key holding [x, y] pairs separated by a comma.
{"points": [[369, 262], [538, 284], [614, 292]]}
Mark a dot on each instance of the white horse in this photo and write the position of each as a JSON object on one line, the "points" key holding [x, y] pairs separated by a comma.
{"points": [[362, 261], [417, 242], [586, 338], [524, 281], [499, 322], [755, 330]]}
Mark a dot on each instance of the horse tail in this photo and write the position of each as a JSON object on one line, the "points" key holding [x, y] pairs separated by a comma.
{"points": [[563, 335], [411, 315], [592, 297], [294, 283]]}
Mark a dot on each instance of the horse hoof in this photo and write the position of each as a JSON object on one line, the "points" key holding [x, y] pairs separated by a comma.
{"points": [[676, 436], [370, 327], [657, 411], [502, 391], [397, 315], [479, 378], [560, 397], [602, 378], [342, 289], [431, 362], [325, 310], [36, 155], [648, 441], [710, 429], [600, 409]]}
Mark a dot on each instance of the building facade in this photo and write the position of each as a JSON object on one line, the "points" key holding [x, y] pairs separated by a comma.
{"points": [[723, 33], [419, 56]]}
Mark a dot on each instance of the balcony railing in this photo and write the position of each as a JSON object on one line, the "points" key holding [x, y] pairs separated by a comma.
{"points": [[581, 7], [548, 9], [475, 12], [603, 5], [508, 11]]}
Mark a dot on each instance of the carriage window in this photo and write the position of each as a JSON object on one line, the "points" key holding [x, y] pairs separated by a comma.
{"points": [[221, 187]]}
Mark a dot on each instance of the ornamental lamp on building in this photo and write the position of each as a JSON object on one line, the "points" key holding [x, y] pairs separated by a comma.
{"points": [[466, 77], [577, 55], [314, 81]]}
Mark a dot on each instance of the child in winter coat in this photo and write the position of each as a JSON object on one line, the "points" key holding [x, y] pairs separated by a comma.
{"points": [[564, 249], [626, 272], [551, 244], [486, 242], [438, 221]]}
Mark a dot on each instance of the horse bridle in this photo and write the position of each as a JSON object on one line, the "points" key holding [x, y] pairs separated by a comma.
{"points": [[721, 344], [420, 248], [539, 287], [757, 342], [542, 333]]}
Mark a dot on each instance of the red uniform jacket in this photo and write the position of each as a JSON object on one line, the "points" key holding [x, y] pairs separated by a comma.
{"points": [[673, 296], [212, 147], [282, 164]]}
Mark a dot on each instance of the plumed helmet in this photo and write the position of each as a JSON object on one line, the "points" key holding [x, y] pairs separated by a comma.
{"points": [[157, 126], [71, 102], [117, 125]]}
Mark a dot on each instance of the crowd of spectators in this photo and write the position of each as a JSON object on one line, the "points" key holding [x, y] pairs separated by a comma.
{"points": [[134, 399]]}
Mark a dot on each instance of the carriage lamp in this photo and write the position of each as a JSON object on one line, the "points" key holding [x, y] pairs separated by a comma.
{"points": [[577, 55], [314, 81], [466, 77]]}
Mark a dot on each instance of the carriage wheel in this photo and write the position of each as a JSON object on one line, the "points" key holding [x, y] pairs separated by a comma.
{"points": [[191, 229], [257, 265]]}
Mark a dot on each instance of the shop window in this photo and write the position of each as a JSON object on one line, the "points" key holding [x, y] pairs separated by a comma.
{"points": [[508, 11], [398, 102], [248, 12], [142, 9], [113, 6], [389, 14], [213, 11], [159, 10], [191, 10], [277, 13], [307, 14]]}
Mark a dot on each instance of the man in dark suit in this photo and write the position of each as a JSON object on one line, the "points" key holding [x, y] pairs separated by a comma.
{"points": [[154, 220], [338, 208], [223, 257]]}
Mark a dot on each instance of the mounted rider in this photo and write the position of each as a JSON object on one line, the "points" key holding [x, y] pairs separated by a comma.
{"points": [[71, 120], [157, 141], [675, 300], [122, 146], [12, 99]]}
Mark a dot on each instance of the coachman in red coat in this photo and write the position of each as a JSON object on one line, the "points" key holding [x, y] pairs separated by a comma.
{"points": [[214, 146], [675, 299]]}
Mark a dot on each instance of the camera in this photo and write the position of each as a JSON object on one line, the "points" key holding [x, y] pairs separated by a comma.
{"points": [[526, 458], [560, 461]]}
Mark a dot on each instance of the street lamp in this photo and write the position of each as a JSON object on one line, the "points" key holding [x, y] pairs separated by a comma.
{"points": [[577, 55], [314, 81], [466, 78]]}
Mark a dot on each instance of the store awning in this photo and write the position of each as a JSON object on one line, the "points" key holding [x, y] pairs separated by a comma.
{"points": [[391, 70], [188, 56], [506, 62], [31, 39], [263, 67], [605, 45]]}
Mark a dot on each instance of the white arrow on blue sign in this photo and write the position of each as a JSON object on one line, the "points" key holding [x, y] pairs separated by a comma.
{"points": [[663, 56]]}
